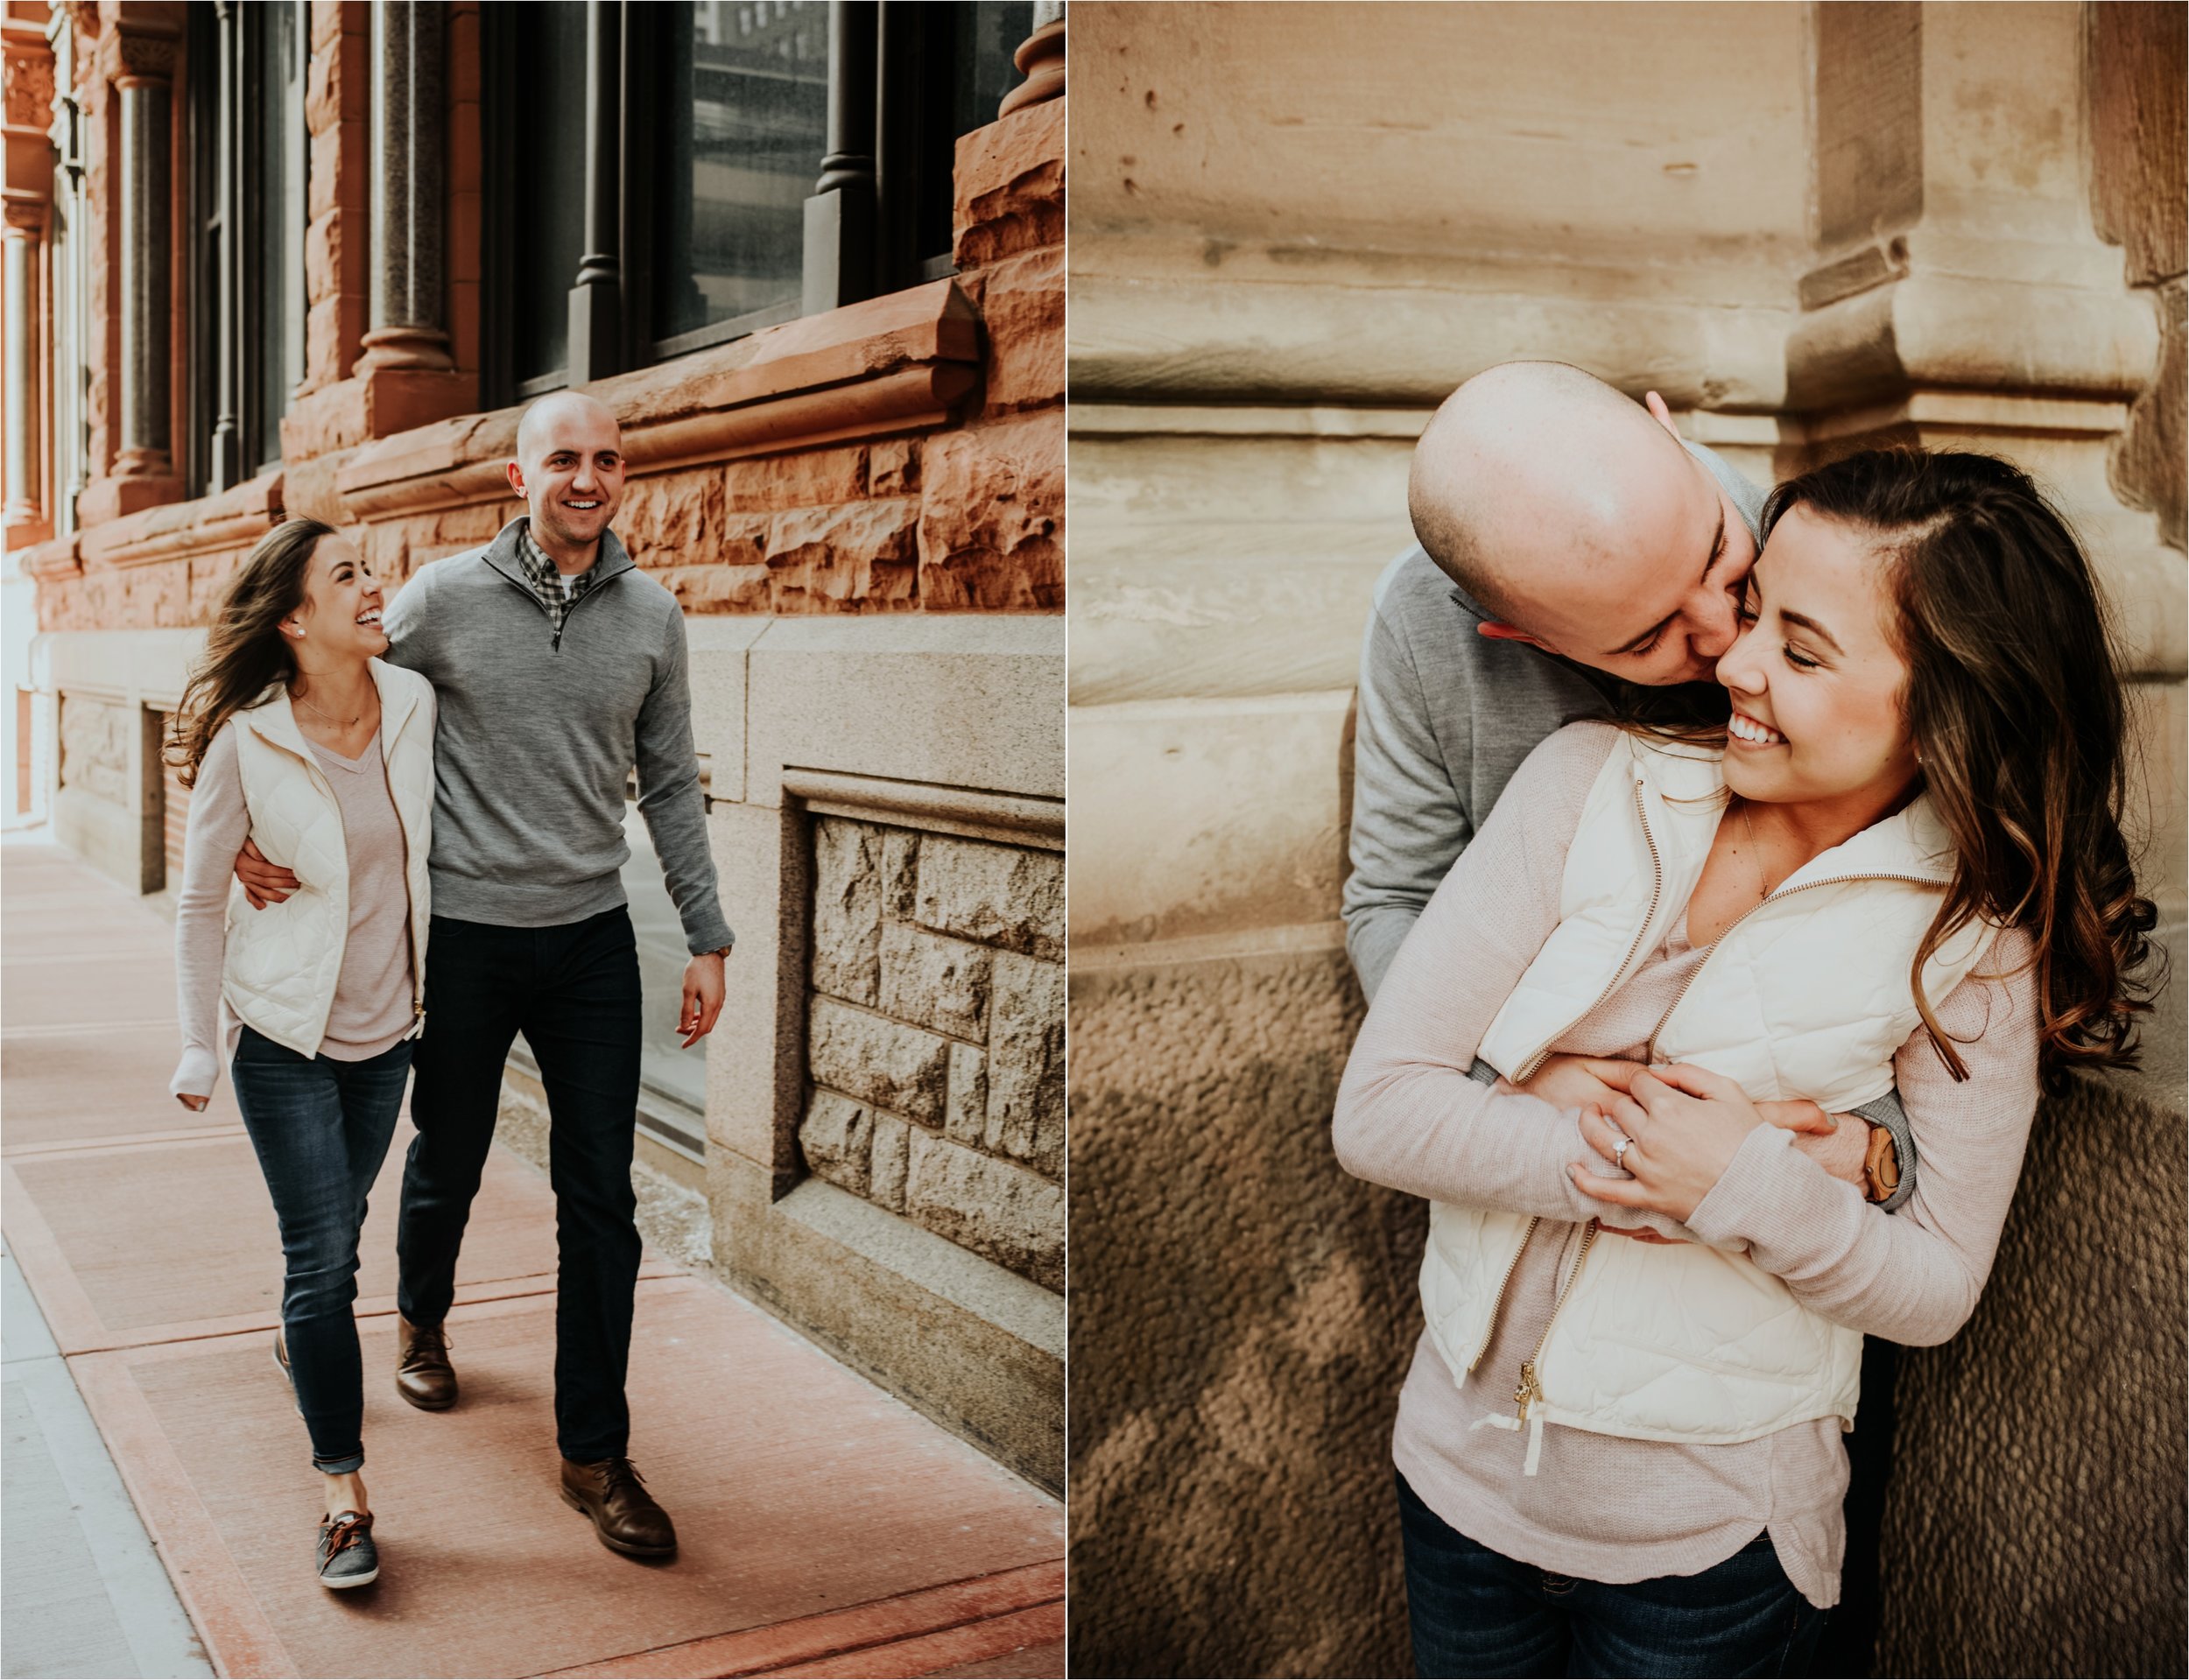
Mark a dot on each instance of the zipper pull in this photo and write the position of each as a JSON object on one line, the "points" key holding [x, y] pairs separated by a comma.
{"points": [[1528, 1392]]}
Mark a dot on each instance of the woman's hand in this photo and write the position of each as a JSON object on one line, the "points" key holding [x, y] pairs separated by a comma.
{"points": [[1686, 1125], [1577, 1082], [195, 1105]]}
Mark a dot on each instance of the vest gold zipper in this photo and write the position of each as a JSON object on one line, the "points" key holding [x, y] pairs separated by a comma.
{"points": [[1649, 1052], [1657, 891], [1497, 1301], [1530, 1389]]}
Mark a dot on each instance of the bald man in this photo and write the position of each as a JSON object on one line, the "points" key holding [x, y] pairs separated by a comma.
{"points": [[1572, 550], [559, 668]]}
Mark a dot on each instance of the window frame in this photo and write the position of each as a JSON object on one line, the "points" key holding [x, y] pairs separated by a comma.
{"points": [[911, 45], [230, 439]]}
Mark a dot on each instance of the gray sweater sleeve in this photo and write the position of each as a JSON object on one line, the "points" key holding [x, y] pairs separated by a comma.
{"points": [[670, 800], [1408, 823]]}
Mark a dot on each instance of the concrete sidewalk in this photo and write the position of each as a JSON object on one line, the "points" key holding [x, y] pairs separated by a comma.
{"points": [[826, 1528]]}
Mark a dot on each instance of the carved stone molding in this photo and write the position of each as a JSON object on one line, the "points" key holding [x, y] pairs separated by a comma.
{"points": [[24, 217], [894, 364], [1040, 60], [137, 56], [27, 87]]}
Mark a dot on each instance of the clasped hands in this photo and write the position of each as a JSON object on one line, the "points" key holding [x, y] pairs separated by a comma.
{"points": [[1686, 1124]]}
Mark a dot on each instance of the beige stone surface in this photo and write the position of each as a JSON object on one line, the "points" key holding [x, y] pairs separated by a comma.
{"points": [[994, 1209], [1231, 1493], [942, 984], [878, 1060], [1240, 804], [837, 1140], [965, 1108], [1025, 1068], [847, 910], [998, 895], [864, 695]]}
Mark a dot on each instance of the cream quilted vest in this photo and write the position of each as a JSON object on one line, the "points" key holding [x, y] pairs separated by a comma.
{"points": [[1807, 995], [284, 960]]}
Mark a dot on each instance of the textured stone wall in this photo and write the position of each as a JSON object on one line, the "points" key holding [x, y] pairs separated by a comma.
{"points": [[935, 1036], [965, 512], [95, 747]]}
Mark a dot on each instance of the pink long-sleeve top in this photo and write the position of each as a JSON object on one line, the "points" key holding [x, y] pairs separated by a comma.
{"points": [[373, 991], [1602, 1508]]}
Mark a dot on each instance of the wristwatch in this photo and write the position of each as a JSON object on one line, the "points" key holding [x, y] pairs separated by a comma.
{"points": [[1881, 1166]]}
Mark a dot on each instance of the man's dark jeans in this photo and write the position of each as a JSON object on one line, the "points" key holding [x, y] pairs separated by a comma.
{"points": [[573, 991], [321, 1130], [1475, 1612]]}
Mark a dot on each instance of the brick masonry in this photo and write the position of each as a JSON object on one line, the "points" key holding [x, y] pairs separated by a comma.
{"points": [[935, 1036]]}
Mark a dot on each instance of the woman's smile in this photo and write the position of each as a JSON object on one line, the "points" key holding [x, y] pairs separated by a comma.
{"points": [[1748, 732]]}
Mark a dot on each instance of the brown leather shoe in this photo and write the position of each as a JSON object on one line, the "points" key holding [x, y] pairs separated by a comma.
{"points": [[624, 1512], [423, 1375]]}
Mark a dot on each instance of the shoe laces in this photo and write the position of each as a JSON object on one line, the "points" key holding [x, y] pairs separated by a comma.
{"points": [[426, 1341], [340, 1533], [619, 1471]]}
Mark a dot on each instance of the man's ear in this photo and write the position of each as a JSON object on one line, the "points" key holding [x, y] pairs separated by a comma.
{"points": [[1659, 412], [1498, 630], [517, 479]]}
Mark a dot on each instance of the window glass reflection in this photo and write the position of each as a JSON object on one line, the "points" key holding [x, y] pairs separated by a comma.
{"points": [[746, 117], [666, 1067]]}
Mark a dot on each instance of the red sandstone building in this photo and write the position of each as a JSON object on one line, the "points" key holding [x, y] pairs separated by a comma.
{"points": [[287, 258]]}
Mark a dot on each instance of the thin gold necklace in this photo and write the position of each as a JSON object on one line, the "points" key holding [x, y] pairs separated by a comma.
{"points": [[1756, 855], [336, 721]]}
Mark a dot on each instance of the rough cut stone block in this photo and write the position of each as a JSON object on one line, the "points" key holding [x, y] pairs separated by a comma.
{"points": [[1026, 1080], [837, 1135], [889, 1156], [900, 873], [811, 478], [991, 527], [860, 557], [893, 467], [847, 910], [1009, 185], [676, 519], [878, 1060], [989, 1207], [964, 1113], [935, 982], [999, 894], [1022, 304]]}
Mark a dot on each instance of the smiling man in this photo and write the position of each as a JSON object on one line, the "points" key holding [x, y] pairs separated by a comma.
{"points": [[559, 668]]}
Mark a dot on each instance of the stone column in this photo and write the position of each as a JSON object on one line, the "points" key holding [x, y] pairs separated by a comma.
{"points": [[840, 216], [410, 103], [144, 84], [1039, 59], [22, 256]]}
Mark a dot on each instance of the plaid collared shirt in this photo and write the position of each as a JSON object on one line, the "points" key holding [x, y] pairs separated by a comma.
{"points": [[557, 593]]}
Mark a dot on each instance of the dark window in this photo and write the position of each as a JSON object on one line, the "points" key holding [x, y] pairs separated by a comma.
{"points": [[245, 221], [548, 109], [723, 130], [744, 124], [274, 183]]}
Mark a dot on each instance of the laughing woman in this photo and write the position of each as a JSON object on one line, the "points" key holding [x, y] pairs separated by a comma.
{"points": [[293, 734], [1899, 864]]}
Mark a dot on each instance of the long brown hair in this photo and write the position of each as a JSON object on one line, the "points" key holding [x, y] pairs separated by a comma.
{"points": [[246, 656], [2017, 708]]}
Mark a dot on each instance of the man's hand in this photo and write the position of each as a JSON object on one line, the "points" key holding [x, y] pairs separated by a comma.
{"points": [[1838, 1143], [703, 991], [265, 883], [1578, 1081]]}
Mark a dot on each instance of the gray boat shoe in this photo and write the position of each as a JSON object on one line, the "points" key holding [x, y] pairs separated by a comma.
{"points": [[347, 1556]]}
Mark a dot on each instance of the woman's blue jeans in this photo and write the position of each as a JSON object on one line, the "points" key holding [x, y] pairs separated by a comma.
{"points": [[321, 1128], [1475, 1612]]}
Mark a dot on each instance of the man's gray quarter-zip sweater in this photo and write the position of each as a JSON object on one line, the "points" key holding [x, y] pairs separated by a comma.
{"points": [[540, 730]]}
